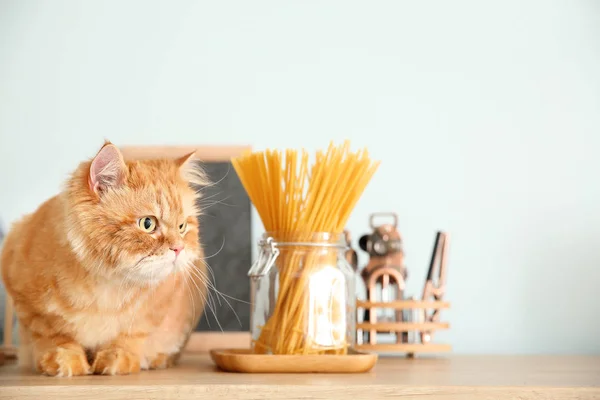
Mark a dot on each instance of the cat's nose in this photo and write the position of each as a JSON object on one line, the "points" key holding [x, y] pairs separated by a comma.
{"points": [[177, 248]]}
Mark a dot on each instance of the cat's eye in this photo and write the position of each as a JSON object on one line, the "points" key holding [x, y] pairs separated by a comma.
{"points": [[147, 224], [182, 227]]}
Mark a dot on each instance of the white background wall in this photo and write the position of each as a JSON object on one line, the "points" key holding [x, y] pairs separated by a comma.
{"points": [[486, 116]]}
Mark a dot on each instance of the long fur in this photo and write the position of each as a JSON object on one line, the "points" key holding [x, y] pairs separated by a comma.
{"points": [[92, 291]]}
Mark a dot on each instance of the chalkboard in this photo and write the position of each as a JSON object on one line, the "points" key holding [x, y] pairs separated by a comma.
{"points": [[225, 235]]}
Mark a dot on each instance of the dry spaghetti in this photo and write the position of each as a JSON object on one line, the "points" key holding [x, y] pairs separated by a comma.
{"points": [[295, 200]]}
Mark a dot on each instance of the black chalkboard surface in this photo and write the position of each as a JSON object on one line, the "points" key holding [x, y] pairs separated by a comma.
{"points": [[225, 234]]}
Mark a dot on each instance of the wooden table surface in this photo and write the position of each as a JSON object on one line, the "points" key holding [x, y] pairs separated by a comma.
{"points": [[447, 377]]}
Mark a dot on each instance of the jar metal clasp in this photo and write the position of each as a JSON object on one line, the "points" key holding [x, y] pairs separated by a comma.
{"points": [[266, 258]]}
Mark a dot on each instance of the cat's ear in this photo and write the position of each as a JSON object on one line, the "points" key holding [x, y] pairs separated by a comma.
{"points": [[188, 158], [191, 170], [108, 169]]}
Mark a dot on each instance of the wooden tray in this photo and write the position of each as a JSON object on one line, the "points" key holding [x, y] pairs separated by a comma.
{"points": [[242, 360]]}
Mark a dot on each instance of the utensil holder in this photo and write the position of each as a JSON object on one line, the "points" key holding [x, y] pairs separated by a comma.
{"points": [[425, 329]]}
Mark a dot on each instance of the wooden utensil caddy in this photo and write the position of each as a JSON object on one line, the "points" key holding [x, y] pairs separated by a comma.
{"points": [[425, 330], [410, 322]]}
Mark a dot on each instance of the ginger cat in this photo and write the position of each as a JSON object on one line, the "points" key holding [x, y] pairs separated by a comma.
{"points": [[108, 276]]}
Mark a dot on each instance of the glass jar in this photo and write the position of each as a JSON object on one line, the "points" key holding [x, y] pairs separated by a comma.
{"points": [[303, 298]]}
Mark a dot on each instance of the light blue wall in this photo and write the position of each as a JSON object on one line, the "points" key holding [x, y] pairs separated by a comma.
{"points": [[486, 116]]}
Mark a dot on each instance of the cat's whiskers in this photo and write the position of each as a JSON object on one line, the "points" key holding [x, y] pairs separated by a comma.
{"points": [[212, 184], [209, 197], [189, 286], [208, 266], [186, 285], [208, 298], [218, 251], [207, 283], [224, 296], [219, 292], [211, 308], [215, 202], [204, 278]]}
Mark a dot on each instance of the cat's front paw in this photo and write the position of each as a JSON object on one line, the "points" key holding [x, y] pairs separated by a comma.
{"points": [[116, 361], [64, 362]]}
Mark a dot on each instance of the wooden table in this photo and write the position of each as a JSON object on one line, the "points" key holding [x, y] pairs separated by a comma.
{"points": [[448, 377]]}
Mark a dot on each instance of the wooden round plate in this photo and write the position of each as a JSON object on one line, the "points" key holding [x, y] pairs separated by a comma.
{"points": [[243, 360]]}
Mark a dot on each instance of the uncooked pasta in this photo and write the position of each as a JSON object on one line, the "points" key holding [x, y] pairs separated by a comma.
{"points": [[295, 200]]}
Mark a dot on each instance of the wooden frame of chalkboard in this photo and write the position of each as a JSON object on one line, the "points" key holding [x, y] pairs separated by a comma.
{"points": [[228, 332]]}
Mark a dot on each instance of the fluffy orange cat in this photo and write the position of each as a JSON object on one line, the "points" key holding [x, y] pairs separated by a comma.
{"points": [[102, 274]]}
